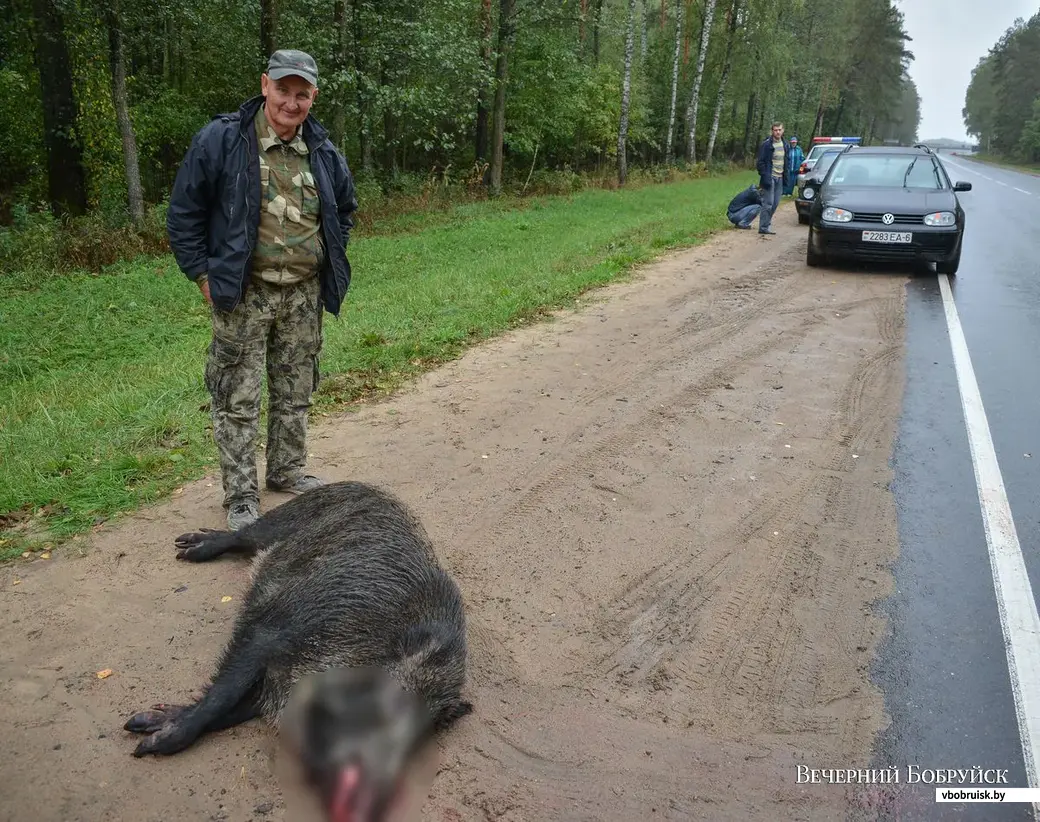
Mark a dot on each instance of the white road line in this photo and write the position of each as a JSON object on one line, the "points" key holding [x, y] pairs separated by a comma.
{"points": [[969, 170], [1015, 603], [984, 177], [991, 179]]}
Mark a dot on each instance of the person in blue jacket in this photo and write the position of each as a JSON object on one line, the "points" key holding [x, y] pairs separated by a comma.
{"points": [[795, 158], [745, 207], [773, 165], [259, 219]]}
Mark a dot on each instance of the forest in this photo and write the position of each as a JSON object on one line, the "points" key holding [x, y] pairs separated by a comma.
{"points": [[99, 100], [1002, 104]]}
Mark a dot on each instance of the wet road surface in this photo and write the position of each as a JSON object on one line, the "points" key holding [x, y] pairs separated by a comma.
{"points": [[945, 670]]}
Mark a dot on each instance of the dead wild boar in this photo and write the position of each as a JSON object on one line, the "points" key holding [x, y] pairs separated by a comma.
{"points": [[344, 577]]}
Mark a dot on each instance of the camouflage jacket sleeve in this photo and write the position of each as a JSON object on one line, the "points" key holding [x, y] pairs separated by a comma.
{"points": [[188, 217]]}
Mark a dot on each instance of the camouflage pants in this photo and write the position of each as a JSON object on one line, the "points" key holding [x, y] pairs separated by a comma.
{"points": [[282, 322]]}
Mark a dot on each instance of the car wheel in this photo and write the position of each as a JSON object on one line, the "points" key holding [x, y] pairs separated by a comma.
{"points": [[950, 266], [812, 259]]}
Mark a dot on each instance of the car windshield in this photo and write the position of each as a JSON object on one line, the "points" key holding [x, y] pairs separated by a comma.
{"points": [[825, 161], [818, 149], [881, 170]]}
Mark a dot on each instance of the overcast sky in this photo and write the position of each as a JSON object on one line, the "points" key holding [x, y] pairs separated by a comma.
{"points": [[949, 37]]}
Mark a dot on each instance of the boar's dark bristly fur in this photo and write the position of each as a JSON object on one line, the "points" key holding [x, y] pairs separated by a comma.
{"points": [[343, 576]]}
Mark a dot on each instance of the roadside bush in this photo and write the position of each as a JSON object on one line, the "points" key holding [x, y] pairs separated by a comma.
{"points": [[38, 243]]}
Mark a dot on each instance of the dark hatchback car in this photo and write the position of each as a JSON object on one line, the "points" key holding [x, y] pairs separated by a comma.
{"points": [[811, 183], [887, 204]]}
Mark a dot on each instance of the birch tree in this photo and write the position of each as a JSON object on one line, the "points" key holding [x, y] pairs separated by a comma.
{"points": [[734, 12], [680, 5], [626, 93], [695, 94], [484, 93]]}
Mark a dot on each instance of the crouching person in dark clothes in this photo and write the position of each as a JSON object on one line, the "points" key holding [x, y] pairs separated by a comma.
{"points": [[260, 216], [745, 207]]}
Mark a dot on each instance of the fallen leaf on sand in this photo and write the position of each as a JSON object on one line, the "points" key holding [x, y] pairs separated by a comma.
{"points": [[105, 674], [225, 599]]}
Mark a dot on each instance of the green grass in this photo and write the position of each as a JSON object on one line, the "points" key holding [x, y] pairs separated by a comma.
{"points": [[102, 402]]}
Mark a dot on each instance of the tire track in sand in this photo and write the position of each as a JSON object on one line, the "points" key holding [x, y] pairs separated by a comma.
{"points": [[754, 653], [697, 334]]}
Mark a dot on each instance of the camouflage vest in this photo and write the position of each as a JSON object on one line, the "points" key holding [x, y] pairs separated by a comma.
{"points": [[289, 243]]}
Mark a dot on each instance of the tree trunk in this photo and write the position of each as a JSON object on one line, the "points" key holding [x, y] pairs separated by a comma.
{"points": [[805, 83], [498, 132], [338, 124], [167, 47], [821, 109], [644, 36], [595, 31], [722, 82], [364, 109], [841, 111], [135, 196], [752, 103], [679, 6], [268, 29], [695, 95], [484, 92], [389, 129], [67, 186], [626, 91]]}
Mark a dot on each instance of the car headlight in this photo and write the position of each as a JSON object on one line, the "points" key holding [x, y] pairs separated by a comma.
{"points": [[940, 218], [837, 215], [807, 193]]}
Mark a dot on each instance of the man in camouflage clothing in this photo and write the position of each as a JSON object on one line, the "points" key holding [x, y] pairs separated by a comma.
{"points": [[260, 216]]}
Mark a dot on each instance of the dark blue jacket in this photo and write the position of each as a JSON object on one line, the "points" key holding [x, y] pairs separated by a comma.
{"points": [[749, 196], [764, 162], [214, 212]]}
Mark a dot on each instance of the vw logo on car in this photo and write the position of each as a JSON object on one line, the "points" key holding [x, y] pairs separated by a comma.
{"points": [[888, 219]]}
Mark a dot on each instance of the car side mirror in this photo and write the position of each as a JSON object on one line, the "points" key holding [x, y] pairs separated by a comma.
{"points": [[961, 186]]}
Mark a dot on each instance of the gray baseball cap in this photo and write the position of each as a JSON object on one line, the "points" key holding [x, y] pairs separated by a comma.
{"points": [[291, 61]]}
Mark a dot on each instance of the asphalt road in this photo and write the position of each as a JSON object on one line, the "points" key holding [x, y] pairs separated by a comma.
{"points": [[945, 670]]}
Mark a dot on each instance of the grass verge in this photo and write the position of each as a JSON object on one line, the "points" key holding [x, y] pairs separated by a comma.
{"points": [[102, 402]]}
